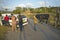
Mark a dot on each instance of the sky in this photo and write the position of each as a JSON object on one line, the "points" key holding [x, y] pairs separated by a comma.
{"points": [[11, 4]]}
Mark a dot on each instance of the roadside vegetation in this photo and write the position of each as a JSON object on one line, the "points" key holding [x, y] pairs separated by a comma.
{"points": [[29, 12], [3, 31]]}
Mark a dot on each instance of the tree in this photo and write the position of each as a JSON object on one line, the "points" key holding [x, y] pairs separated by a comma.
{"points": [[6, 10], [17, 10]]}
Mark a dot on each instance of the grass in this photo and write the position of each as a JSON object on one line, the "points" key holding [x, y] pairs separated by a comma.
{"points": [[3, 30], [51, 20]]}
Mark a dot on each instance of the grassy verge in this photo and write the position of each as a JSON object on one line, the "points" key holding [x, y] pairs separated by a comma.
{"points": [[3, 30]]}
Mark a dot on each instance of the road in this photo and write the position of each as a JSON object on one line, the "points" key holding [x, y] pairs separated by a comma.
{"points": [[42, 32]]}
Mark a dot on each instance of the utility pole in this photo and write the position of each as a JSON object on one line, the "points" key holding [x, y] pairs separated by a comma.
{"points": [[45, 7]]}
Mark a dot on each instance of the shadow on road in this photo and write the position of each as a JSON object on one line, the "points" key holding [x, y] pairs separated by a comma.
{"points": [[20, 35], [52, 28], [23, 35]]}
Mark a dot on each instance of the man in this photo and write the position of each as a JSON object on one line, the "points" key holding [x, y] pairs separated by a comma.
{"points": [[6, 19], [35, 22], [20, 22]]}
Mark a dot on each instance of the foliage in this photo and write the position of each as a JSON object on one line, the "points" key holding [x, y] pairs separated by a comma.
{"points": [[17, 10], [37, 10]]}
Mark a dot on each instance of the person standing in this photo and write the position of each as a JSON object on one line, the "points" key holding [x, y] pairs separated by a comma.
{"points": [[0, 19], [35, 22], [20, 22], [13, 18]]}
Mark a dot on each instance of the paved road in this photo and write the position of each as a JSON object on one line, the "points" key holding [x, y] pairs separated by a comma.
{"points": [[43, 32]]}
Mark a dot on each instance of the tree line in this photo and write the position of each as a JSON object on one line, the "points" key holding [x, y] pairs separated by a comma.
{"points": [[37, 10]]}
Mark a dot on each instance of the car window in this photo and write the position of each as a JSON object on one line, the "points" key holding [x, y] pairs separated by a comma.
{"points": [[23, 16]]}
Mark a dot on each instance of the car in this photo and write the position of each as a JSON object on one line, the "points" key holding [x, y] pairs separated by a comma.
{"points": [[2, 18], [24, 18]]}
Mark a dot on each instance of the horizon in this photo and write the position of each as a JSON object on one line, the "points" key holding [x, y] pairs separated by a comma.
{"points": [[11, 4]]}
